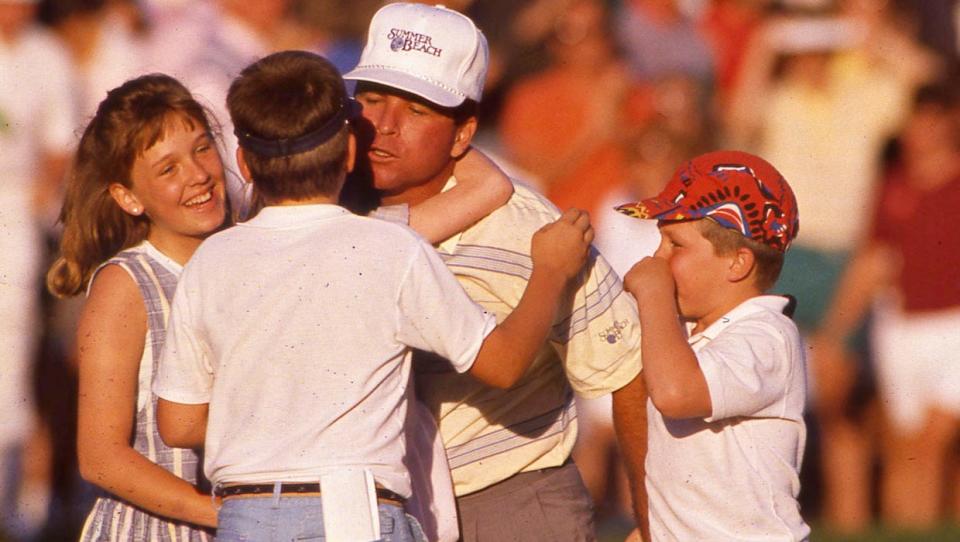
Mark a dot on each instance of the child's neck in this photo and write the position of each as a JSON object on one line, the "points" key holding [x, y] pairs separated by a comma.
{"points": [[312, 200], [726, 304]]}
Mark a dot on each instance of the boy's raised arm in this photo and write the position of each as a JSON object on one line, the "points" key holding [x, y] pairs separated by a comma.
{"points": [[559, 251], [671, 372], [481, 188]]}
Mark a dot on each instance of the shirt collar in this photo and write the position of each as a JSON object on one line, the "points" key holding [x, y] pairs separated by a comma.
{"points": [[762, 303], [280, 216]]}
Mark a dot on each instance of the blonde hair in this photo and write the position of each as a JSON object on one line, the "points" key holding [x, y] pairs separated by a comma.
{"points": [[130, 120], [769, 261]]}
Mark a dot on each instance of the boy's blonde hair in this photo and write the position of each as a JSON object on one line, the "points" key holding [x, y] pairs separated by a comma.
{"points": [[725, 241]]}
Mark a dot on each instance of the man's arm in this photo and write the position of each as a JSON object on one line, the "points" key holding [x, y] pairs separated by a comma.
{"points": [[630, 423]]}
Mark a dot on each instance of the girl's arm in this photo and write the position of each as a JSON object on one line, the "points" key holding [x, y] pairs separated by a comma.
{"points": [[110, 338], [868, 272], [481, 188]]}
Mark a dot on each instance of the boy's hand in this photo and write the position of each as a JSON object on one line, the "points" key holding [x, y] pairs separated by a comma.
{"points": [[561, 247], [650, 275]]}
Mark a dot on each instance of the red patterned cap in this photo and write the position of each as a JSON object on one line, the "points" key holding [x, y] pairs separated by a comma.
{"points": [[737, 190]]}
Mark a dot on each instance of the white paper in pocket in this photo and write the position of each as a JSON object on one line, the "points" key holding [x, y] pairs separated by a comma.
{"points": [[349, 499]]}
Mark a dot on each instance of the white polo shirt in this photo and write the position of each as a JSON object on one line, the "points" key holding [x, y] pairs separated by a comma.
{"points": [[735, 474], [296, 328]]}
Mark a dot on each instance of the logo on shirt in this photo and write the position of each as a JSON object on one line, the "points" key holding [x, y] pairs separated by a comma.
{"points": [[406, 40], [614, 333]]}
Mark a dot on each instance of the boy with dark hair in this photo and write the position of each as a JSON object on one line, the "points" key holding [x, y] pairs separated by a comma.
{"points": [[287, 349], [294, 145], [726, 431]]}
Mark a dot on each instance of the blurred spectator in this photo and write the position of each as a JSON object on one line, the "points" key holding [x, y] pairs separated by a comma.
{"points": [[909, 267], [842, 89], [36, 134], [660, 39], [563, 124], [103, 47], [939, 20], [106, 46], [729, 25], [517, 32], [336, 27]]}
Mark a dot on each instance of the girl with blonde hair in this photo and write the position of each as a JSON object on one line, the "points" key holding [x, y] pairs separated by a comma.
{"points": [[146, 187]]}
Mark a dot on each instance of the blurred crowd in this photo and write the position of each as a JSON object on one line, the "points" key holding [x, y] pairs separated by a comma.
{"points": [[596, 103]]}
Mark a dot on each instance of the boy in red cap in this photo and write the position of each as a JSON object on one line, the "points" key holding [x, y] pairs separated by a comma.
{"points": [[723, 364]]}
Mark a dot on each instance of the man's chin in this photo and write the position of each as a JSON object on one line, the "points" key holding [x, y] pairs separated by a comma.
{"points": [[385, 183]]}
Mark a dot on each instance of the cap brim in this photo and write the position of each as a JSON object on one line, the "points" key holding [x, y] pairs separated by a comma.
{"points": [[407, 83], [654, 209]]}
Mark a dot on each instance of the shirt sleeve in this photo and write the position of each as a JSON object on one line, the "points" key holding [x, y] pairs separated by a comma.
{"points": [[184, 374], [398, 214], [747, 370], [599, 340], [436, 315]]}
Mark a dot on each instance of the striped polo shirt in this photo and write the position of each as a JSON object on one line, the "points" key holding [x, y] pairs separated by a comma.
{"points": [[594, 349]]}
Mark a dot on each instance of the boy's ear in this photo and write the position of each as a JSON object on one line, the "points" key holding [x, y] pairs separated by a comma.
{"points": [[126, 199], [463, 137], [242, 165], [741, 265]]}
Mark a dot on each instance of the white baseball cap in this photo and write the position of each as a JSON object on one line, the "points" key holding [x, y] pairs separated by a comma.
{"points": [[430, 51]]}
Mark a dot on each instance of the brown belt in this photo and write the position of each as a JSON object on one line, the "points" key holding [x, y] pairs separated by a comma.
{"points": [[295, 488]]}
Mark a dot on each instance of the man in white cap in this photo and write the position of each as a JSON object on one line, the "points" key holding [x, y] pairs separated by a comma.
{"points": [[419, 79]]}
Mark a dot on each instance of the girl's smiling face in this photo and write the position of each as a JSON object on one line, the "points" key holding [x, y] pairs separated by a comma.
{"points": [[178, 183]]}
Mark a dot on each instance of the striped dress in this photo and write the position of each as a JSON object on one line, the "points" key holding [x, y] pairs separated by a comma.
{"points": [[112, 519]]}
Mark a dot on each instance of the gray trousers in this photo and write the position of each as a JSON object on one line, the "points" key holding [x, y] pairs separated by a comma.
{"points": [[548, 505]]}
